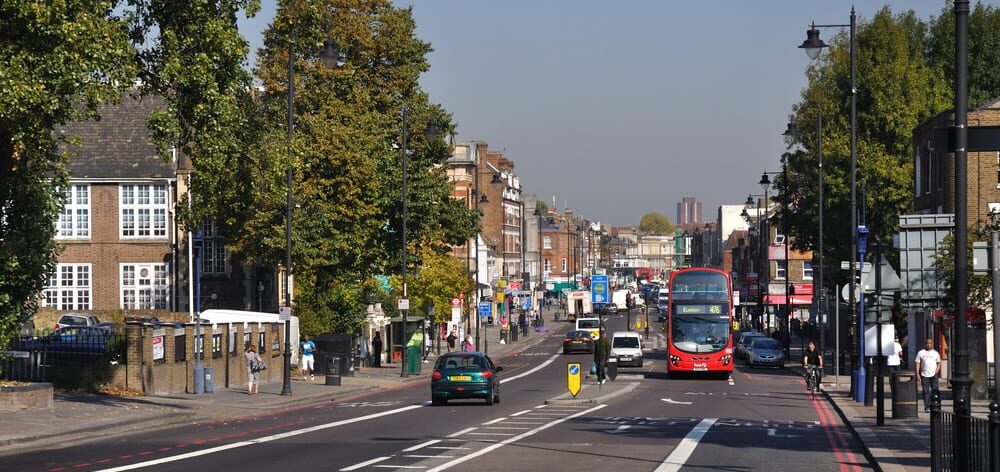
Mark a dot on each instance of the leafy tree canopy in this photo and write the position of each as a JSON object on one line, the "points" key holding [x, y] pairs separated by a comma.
{"points": [[655, 223]]}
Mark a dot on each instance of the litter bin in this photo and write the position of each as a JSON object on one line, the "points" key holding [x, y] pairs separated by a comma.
{"points": [[209, 383], [904, 394], [333, 370], [513, 332], [413, 360]]}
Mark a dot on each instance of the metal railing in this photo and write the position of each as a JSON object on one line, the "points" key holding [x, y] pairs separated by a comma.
{"points": [[945, 450], [34, 358]]}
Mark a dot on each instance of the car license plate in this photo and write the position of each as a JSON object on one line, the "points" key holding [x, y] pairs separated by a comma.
{"points": [[460, 377], [626, 358], [577, 342], [700, 369]]}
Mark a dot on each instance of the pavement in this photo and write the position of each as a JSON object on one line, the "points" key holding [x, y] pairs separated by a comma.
{"points": [[900, 444], [75, 417]]}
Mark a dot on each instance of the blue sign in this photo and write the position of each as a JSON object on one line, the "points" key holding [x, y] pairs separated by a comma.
{"points": [[485, 309], [527, 304], [574, 369], [599, 289]]}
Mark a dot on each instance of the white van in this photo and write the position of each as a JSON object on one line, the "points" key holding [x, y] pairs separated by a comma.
{"points": [[626, 346], [593, 325]]}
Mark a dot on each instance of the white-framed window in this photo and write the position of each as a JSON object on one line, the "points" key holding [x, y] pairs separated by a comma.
{"points": [[807, 270], [143, 210], [781, 270], [564, 264], [74, 220], [214, 259], [69, 287], [779, 238], [144, 286], [548, 265], [546, 242]]}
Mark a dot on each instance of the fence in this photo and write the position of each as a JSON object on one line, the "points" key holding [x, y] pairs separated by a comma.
{"points": [[71, 357], [945, 448]]}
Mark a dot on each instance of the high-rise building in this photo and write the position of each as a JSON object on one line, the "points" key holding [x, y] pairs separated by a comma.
{"points": [[688, 211]]}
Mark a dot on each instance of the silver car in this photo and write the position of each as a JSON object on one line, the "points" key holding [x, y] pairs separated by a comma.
{"points": [[766, 352]]}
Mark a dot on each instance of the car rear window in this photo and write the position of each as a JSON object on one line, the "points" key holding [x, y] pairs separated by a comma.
{"points": [[461, 362], [626, 342], [578, 334]]}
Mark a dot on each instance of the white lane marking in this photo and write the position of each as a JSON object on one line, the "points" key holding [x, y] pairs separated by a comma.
{"points": [[491, 434], [460, 433], [521, 413], [683, 451], [506, 427], [447, 447], [494, 421], [388, 466], [422, 445], [487, 450], [533, 370], [365, 463], [274, 437], [424, 456], [525, 422], [675, 402], [539, 406]]}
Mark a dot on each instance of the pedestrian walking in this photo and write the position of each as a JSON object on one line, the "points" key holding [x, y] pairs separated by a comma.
{"points": [[427, 344], [893, 360], [601, 353], [467, 344], [377, 349], [928, 364], [308, 363], [254, 366], [452, 338]]}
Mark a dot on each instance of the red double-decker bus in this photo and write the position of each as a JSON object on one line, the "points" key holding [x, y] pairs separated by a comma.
{"points": [[699, 321]]}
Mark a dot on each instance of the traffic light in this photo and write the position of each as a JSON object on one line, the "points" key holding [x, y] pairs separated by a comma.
{"points": [[876, 313]]}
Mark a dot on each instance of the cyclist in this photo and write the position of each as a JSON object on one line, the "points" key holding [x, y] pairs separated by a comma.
{"points": [[813, 362]]}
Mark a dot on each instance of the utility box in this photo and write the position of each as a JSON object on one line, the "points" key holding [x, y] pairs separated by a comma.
{"points": [[333, 370], [209, 380], [335, 344]]}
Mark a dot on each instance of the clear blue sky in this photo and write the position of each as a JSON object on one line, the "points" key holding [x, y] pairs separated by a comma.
{"points": [[623, 107]]}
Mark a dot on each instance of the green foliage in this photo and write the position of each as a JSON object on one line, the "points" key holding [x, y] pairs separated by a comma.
{"points": [[58, 61], [441, 277], [897, 90], [980, 286], [655, 223], [195, 61], [984, 51], [327, 305]]}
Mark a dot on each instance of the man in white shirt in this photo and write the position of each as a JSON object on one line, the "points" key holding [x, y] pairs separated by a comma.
{"points": [[928, 364]]}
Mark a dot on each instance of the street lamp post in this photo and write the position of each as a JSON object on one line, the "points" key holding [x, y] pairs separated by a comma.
{"points": [[286, 364], [403, 115], [813, 45], [961, 383], [788, 270]]}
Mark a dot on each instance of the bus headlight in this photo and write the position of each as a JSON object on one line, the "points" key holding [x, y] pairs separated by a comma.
{"points": [[726, 359], [674, 359]]}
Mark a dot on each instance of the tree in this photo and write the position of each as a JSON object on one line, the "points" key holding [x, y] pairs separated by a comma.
{"points": [[58, 61], [655, 223], [440, 278], [897, 90], [346, 153], [984, 51]]}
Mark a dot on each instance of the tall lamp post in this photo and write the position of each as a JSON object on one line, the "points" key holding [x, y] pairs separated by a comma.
{"points": [[961, 383], [813, 45], [760, 243], [286, 364], [765, 186], [477, 199], [403, 151]]}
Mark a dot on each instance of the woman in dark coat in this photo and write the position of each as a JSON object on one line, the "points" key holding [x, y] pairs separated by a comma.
{"points": [[377, 349]]}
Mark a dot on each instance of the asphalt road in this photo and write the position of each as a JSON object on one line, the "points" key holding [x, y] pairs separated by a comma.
{"points": [[758, 420]]}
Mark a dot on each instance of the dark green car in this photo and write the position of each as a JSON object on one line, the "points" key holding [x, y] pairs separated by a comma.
{"points": [[459, 375]]}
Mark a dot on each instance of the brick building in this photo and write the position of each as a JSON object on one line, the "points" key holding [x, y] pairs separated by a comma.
{"points": [[934, 172], [122, 248]]}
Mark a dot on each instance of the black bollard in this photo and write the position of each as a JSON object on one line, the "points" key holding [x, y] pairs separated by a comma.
{"points": [[937, 433]]}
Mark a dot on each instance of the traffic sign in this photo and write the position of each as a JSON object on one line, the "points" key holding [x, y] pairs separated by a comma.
{"points": [[403, 304], [456, 302], [284, 313], [485, 309], [599, 289], [573, 378]]}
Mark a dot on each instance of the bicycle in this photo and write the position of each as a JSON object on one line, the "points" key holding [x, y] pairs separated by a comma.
{"points": [[812, 378]]}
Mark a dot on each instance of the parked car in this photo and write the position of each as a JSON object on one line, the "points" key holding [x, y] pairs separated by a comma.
{"points": [[611, 308], [460, 375], [578, 341], [92, 339], [743, 344], [590, 324], [766, 352], [626, 346], [79, 319]]}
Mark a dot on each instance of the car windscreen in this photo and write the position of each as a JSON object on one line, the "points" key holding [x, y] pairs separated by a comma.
{"points": [[747, 339], [626, 342], [460, 362], [765, 344], [587, 324]]}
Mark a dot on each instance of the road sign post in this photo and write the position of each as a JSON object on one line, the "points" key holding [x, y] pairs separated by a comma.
{"points": [[599, 289], [573, 378]]}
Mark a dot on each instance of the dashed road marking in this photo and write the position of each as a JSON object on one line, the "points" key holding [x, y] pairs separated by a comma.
{"points": [[422, 445], [365, 463], [679, 456]]}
